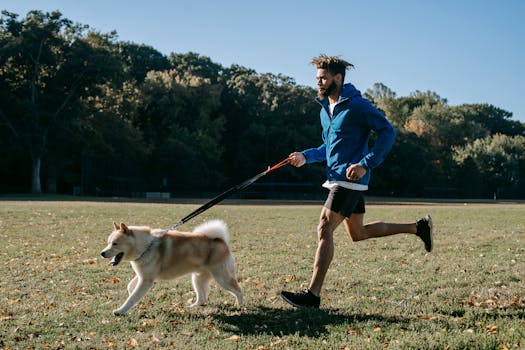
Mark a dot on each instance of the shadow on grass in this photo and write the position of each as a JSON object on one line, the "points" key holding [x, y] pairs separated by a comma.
{"points": [[305, 322]]}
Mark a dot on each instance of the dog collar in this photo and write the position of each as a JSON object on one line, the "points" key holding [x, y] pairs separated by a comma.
{"points": [[148, 248]]}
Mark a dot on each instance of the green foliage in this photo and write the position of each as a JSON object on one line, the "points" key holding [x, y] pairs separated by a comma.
{"points": [[177, 115], [268, 117], [196, 65], [138, 60], [499, 160], [80, 109], [405, 172], [49, 65], [493, 119]]}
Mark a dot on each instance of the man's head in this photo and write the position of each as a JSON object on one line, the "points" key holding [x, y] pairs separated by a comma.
{"points": [[331, 72]]}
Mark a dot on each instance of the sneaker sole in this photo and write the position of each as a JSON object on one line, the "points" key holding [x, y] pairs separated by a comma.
{"points": [[297, 305], [431, 227]]}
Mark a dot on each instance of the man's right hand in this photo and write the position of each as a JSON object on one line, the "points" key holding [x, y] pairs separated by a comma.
{"points": [[297, 159]]}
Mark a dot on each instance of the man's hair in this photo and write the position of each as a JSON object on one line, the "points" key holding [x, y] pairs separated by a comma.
{"points": [[334, 64]]}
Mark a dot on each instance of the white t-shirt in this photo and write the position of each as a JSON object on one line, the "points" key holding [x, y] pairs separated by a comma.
{"points": [[350, 185], [331, 107]]}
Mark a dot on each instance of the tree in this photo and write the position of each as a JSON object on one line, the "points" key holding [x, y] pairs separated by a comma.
{"points": [[379, 92], [196, 65], [499, 160], [270, 117], [47, 64], [406, 170], [398, 110], [493, 119], [138, 60], [109, 145], [178, 119]]}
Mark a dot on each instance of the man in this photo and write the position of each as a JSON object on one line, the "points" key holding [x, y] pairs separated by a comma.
{"points": [[347, 120]]}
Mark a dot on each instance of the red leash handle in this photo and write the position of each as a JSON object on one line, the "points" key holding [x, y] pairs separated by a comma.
{"points": [[277, 166]]}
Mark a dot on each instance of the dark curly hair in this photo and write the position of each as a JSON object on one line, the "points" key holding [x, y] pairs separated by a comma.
{"points": [[334, 64]]}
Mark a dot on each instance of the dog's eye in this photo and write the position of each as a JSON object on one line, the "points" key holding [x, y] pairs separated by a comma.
{"points": [[114, 243]]}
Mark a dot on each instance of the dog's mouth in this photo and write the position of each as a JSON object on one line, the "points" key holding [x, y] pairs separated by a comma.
{"points": [[116, 259]]}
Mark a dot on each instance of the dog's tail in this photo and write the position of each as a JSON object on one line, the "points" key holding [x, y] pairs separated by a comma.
{"points": [[214, 229]]}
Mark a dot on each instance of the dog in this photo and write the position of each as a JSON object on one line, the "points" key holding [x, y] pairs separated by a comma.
{"points": [[161, 254]]}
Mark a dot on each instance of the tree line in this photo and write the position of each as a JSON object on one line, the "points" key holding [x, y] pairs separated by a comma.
{"points": [[81, 111]]}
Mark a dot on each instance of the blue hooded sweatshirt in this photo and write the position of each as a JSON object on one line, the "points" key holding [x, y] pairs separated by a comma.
{"points": [[346, 135]]}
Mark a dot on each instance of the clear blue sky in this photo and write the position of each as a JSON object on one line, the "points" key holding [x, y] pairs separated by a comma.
{"points": [[467, 51]]}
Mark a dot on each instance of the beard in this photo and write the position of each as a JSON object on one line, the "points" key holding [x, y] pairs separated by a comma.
{"points": [[329, 90]]}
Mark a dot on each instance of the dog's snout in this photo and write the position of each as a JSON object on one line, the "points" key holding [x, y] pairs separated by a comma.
{"points": [[103, 254]]}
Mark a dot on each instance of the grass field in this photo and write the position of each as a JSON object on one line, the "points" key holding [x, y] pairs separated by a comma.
{"points": [[56, 292]]}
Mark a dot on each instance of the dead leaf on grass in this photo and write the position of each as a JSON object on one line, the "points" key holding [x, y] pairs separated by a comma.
{"points": [[290, 278], [491, 329], [153, 338], [150, 322], [233, 338], [273, 299], [132, 342], [355, 331], [276, 342]]}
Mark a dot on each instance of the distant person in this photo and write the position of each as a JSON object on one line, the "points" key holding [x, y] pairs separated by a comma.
{"points": [[347, 120]]}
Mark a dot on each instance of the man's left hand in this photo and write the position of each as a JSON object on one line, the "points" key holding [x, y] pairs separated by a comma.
{"points": [[355, 171]]}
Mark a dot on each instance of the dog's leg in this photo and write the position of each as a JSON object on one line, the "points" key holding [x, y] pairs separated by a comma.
{"points": [[132, 284], [225, 275], [142, 287], [201, 284]]}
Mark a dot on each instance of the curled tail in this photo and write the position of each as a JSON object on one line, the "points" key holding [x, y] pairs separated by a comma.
{"points": [[214, 229]]}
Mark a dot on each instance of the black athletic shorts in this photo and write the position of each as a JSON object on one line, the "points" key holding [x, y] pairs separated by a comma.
{"points": [[345, 201]]}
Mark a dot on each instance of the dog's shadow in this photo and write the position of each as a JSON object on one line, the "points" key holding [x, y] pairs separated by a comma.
{"points": [[304, 322]]}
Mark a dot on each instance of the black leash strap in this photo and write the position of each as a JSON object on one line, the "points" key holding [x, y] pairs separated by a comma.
{"points": [[226, 194]]}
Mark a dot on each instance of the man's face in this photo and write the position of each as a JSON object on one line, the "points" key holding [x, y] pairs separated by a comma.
{"points": [[327, 83]]}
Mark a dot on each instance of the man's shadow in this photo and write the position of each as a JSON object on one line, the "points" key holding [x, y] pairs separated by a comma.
{"points": [[305, 322]]}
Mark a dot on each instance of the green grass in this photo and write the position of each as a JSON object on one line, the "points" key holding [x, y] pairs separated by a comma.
{"points": [[56, 292]]}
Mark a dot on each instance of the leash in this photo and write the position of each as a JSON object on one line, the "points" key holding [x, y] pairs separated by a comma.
{"points": [[227, 193]]}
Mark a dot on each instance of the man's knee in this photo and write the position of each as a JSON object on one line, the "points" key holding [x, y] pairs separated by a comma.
{"points": [[324, 230], [356, 233]]}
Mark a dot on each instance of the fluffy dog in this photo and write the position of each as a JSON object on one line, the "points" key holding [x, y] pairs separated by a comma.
{"points": [[160, 254]]}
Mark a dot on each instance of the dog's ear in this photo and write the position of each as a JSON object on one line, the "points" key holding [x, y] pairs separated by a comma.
{"points": [[117, 227], [124, 228]]}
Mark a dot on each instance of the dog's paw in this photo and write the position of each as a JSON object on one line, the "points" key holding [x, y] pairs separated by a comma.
{"points": [[118, 313], [195, 304]]}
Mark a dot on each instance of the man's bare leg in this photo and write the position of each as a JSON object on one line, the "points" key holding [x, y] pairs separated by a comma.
{"points": [[328, 222], [359, 231]]}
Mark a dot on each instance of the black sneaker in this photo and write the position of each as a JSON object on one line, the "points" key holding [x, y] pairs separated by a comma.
{"points": [[301, 299], [424, 231]]}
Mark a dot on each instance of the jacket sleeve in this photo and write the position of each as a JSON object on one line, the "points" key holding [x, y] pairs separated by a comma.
{"points": [[386, 134], [315, 155]]}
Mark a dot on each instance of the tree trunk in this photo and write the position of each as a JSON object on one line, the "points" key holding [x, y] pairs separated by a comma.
{"points": [[51, 180], [36, 188]]}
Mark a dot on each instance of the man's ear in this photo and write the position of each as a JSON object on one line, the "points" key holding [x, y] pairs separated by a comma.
{"points": [[338, 79]]}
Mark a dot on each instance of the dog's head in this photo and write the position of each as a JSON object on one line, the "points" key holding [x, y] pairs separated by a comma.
{"points": [[120, 244]]}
